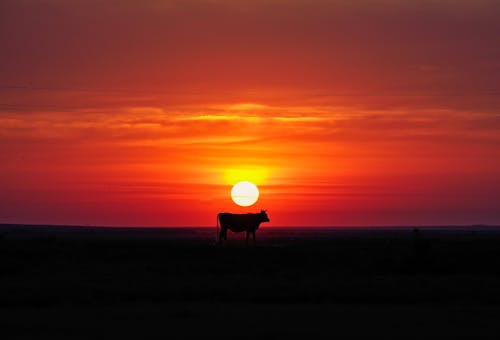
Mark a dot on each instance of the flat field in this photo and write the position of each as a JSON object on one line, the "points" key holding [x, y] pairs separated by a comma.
{"points": [[90, 282]]}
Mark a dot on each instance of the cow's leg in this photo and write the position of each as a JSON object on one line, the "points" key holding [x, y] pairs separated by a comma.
{"points": [[222, 235], [254, 240], [248, 236]]}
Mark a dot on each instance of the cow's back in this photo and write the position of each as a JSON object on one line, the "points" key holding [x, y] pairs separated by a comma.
{"points": [[239, 222]]}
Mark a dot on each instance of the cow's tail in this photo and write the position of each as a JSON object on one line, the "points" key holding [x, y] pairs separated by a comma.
{"points": [[217, 235]]}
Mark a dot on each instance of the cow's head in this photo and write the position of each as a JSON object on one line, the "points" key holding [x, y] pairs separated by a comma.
{"points": [[263, 216]]}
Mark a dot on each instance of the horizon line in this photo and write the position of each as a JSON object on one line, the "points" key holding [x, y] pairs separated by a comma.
{"points": [[475, 225]]}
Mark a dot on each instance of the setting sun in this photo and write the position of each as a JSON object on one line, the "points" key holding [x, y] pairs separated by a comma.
{"points": [[245, 193]]}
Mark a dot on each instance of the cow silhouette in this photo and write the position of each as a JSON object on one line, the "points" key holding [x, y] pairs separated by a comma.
{"points": [[239, 222]]}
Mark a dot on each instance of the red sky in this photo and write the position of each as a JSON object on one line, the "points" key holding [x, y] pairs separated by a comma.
{"points": [[343, 113]]}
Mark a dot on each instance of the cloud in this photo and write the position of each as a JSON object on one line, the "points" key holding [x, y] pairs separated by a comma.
{"points": [[244, 46]]}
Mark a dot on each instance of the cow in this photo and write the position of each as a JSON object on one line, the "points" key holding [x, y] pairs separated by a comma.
{"points": [[238, 223]]}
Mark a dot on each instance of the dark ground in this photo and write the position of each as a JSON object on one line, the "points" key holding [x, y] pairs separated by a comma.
{"points": [[81, 283]]}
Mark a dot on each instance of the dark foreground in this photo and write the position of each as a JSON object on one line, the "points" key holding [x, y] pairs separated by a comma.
{"points": [[82, 283]]}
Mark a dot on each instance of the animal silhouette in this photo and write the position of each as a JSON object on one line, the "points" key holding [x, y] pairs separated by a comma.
{"points": [[238, 223]]}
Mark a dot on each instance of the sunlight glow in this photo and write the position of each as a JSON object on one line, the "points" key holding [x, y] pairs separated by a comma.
{"points": [[254, 175], [247, 107]]}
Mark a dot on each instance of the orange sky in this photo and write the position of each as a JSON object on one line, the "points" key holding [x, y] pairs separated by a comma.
{"points": [[145, 113]]}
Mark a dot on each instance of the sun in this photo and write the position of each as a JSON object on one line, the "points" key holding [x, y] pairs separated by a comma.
{"points": [[245, 193]]}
